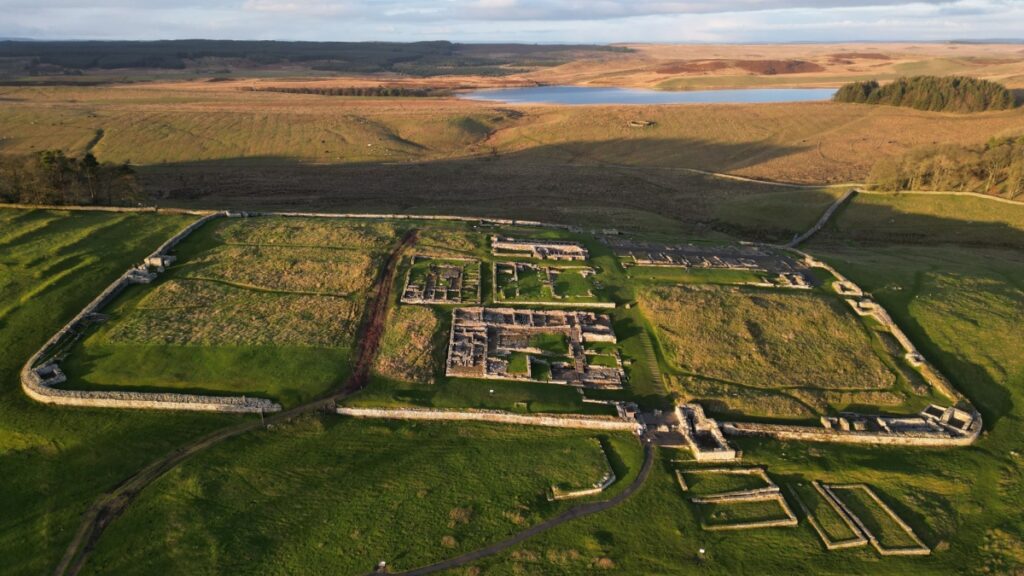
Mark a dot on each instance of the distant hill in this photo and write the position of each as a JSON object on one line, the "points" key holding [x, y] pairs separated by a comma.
{"points": [[933, 93], [414, 58]]}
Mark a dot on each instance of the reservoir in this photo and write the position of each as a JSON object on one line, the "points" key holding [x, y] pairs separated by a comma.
{"points": [[609, 95]]}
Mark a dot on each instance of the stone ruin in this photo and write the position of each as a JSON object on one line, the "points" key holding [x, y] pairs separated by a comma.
{"points": [[919, 548], [779, 269], [548, 275], [540, 249], [483, 340], [444, 283], [933, 426], [857, 537], [160, 262], [702, 435]]}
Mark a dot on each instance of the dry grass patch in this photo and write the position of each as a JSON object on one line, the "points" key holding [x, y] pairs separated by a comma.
{"points": [[764, 339], [292, 269], [406, 350], [195, 312], [313, 232]]}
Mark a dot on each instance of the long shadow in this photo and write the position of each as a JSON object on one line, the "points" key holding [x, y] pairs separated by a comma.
{"points": [[568, 183]]}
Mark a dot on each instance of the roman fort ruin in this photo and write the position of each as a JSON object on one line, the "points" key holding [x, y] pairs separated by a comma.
{"points": [[559, 341], [483, 342]]}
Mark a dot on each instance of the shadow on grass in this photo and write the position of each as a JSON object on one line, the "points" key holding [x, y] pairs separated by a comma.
{"points": [[574, 183]]}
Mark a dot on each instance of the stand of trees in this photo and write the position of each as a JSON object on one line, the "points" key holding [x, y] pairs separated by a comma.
{"points": [[382, 91], [996, 168], [933, 93], [51, 177]]}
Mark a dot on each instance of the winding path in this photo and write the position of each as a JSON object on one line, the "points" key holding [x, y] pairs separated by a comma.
{"points": [[568, 515], [111, 505]]}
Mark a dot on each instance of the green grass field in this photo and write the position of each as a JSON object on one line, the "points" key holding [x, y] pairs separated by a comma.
{"points": [[738, 346], [720, 515], [348, 493], [330, 494], [704, 483]]}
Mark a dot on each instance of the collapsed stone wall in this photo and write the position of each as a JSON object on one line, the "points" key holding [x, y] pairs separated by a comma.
{"points": [[39, 381], [494, 416]]}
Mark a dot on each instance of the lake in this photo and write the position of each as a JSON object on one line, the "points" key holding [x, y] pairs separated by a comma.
{"points": [[600, 95]]}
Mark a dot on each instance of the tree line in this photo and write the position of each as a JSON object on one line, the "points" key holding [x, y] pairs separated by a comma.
{"points": [[996, 168], [381, 91], [932, 93], [51, 177]]}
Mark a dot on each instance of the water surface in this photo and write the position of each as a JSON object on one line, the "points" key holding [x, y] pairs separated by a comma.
{"points": [[600, 95]]}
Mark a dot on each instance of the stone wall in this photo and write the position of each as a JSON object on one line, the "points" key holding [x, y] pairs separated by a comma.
{"points": [[855, 541], [494, 416], [39, 382], [812, 434], [871, 308], [823, 220]]}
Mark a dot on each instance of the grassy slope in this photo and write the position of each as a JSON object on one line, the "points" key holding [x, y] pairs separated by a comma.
{"points": [[338, 495], [55, 461]]}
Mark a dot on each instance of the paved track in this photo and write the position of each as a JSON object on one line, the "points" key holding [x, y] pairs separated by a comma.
{"points": [[109, 506]]}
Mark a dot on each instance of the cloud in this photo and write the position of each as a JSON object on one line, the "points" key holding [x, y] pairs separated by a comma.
{"points": [[517, 20]]}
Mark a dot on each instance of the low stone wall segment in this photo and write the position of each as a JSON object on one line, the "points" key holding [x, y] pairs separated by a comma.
{"points": [[919, 550], [494, 416], [811, 434]]}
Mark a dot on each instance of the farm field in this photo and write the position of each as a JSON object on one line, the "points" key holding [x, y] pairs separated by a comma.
{"points": [[406, 493], [249, 308]]}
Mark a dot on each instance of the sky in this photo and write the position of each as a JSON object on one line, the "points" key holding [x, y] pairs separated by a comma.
{"points": [[530, 21]]}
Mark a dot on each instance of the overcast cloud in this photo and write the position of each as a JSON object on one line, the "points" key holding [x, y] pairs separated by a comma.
{"points": [[516, 20]]}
